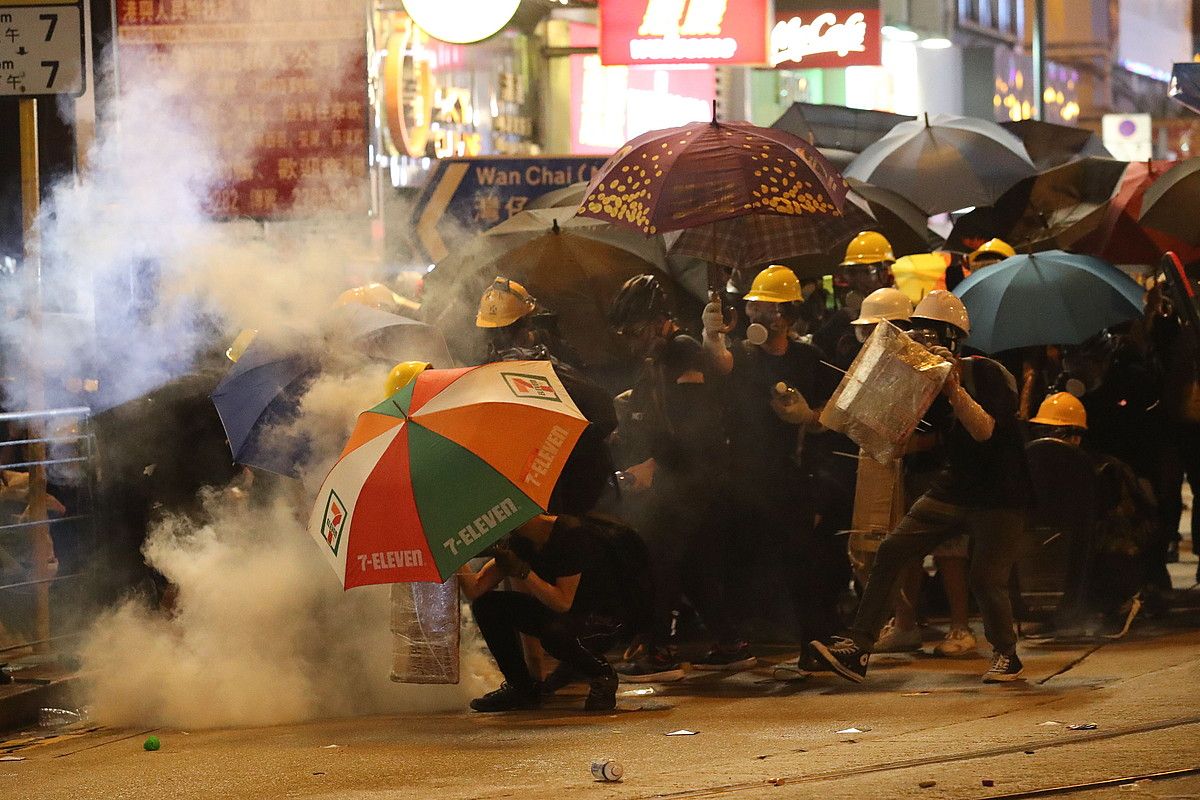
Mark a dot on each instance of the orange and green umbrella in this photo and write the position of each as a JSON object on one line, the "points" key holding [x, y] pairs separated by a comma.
{"points": [[442, 469]]}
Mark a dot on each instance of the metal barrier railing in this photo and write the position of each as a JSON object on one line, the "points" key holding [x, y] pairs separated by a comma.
{"points": [[47, 542]]}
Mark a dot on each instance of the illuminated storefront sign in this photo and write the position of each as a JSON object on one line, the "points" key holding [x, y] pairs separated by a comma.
{"points": [[684, 31], [461, 21], [826, 39]]}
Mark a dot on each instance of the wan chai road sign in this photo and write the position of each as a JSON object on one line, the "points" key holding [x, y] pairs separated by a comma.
{"points": [[41, 48]]}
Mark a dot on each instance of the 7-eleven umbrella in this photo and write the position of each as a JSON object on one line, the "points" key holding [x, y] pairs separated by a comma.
{"points": [[443, 468]]}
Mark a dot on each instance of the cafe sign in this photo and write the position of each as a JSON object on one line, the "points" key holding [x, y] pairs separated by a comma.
{"points": [[823, 39], [684, 31]]}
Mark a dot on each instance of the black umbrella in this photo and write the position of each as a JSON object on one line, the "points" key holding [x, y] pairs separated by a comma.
{"points": [[1169, 205], [837, 127], [904, 225], [1050, 145], [1051, 210], [1185, 85]]}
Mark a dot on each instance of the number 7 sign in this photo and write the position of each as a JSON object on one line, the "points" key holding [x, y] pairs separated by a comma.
{"points": [[41, 48]]}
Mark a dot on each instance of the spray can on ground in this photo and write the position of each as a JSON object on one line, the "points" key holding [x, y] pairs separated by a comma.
{"points": [[607, 769]]}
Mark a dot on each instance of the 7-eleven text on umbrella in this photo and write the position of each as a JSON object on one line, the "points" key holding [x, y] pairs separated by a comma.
{"points": [[391, 559], [544, 457], [479, 527]]}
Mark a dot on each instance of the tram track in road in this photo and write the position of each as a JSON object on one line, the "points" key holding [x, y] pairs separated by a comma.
{"points": [[969, 755]]}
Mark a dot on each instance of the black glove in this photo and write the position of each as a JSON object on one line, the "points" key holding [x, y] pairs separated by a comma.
{"points": [[510, 563]]}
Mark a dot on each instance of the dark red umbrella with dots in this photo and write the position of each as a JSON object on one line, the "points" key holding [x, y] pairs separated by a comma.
{"points": [[709, 172]]}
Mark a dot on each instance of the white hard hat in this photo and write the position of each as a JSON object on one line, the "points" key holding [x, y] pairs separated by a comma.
{"points": [[887, 303], [942, 306]]}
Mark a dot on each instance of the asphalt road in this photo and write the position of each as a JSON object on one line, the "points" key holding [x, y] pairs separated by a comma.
{"points": [[930, 729]]}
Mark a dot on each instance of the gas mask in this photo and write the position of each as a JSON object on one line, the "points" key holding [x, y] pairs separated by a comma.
{"points": [[764, 318]]}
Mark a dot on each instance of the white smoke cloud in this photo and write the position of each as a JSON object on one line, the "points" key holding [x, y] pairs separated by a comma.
{"points": [[261, 632]]}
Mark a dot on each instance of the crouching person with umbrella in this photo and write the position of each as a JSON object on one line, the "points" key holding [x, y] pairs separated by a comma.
{"points": [[562, 599]]}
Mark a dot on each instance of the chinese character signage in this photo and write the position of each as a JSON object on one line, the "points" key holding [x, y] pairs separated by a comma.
{"points": [[41, 48], [473, 194], [279, 93], [824, 38], [684, 31]]}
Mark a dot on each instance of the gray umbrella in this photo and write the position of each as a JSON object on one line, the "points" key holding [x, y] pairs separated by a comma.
{"points": [[944, 163], [838, 127]]}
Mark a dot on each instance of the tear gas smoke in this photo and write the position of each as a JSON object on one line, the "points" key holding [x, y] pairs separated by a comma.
{"points": [[148, 286]]}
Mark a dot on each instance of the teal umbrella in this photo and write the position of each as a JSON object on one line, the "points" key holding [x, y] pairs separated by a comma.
{"points": [[1052, 297]]}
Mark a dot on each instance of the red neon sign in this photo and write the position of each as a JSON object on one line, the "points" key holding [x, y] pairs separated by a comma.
{"points": [[824, 39], [684, 31]]}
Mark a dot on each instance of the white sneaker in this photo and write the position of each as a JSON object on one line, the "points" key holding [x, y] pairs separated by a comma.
{"points": [[958, 642], [894, 640]]}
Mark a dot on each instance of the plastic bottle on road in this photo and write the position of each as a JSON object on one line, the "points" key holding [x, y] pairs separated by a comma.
{"points": [[60, 717]]}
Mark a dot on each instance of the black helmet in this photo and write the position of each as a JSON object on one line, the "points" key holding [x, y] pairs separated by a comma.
{"points": [[641, 299]]}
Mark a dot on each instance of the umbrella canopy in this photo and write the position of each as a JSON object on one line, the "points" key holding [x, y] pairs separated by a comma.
{"points": [[442, 469], [1169, 205], [523, 227], [944, 163], [919, 274], [1185, 85], [1054, 209], [571, 275], [1046, 298], [837, 127], [1121, 238], [705, 172], [1050, 145], [758, 239], [904, 225], [566, 196], [261, 393]]}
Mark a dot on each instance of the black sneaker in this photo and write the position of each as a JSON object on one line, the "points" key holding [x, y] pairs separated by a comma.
{"points": [[560, 677], [844, 657], [732, 659], [1004, 668], [603, 694], [507, 698], [659, 667]]}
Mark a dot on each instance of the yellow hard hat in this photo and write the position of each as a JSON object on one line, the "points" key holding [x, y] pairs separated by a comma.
{"points": [[240, 344], [403, 373], [775, 285], [868, 247], [503, 303], [372, 295], [1062, 410], [994, 247]]}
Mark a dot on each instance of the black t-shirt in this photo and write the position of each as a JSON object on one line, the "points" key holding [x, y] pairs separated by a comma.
{"points": [[762, 443], [992, 473], [573, 548]]}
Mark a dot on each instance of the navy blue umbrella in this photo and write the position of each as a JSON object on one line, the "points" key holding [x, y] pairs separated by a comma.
{"points": [[259, 398], [1052, 297]]}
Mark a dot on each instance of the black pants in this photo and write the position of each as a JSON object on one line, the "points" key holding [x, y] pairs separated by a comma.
{"points": [[686, 533], [996, 535], [502, 615]]}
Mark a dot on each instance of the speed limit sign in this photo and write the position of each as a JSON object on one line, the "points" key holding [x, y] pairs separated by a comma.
{"points": [[41, 48]]}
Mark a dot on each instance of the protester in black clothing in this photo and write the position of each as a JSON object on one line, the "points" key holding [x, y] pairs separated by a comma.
{"points": [[775, 384], [565, 593], [983, 488], [674, 430]]}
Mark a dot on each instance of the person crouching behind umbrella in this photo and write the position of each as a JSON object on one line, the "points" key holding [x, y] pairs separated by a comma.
{"points": [[563, 594]]}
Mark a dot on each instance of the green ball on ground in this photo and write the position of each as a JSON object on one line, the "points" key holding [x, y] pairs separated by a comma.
{"points": [[151, 743]]}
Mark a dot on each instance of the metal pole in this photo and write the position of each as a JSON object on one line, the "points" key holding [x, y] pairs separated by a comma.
{"points": [[1039, 58], [45, 566]]}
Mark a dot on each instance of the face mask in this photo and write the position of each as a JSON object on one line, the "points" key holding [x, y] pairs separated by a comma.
{"points": [[863, 332]]}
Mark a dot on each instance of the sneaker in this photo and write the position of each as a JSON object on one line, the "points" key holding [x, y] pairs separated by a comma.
{"points": [[845, 657], [732, 659], [603, 693], [507, 698], [894, 640], [660, 667], [1004, 668], [958, 642]]}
